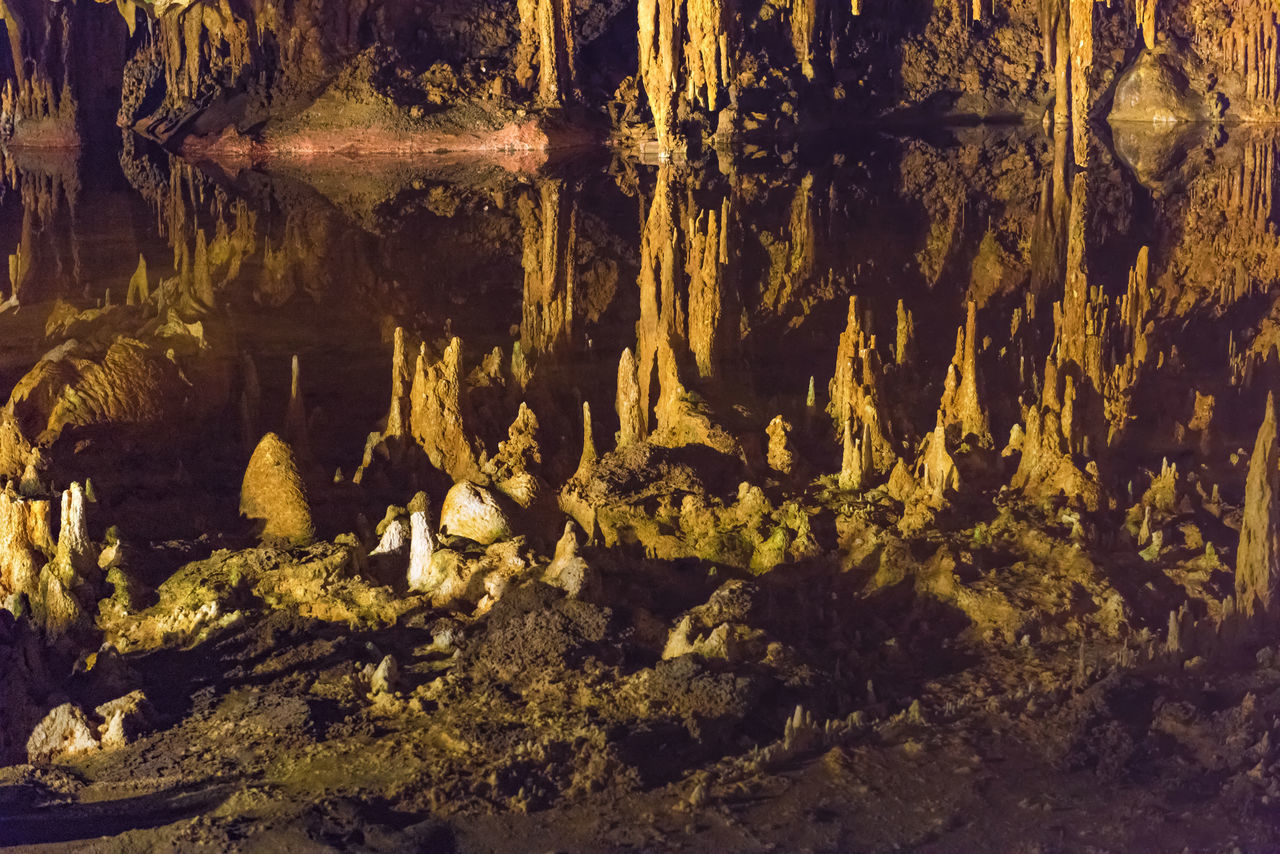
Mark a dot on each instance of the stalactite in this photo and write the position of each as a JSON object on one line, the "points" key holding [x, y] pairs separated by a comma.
{"points": [[1252, 47], [558, 75], [708, 52], [1081, 31], [1145, 12], [661, 38]]}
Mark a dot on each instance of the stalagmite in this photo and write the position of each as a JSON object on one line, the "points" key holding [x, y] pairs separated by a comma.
{"points": [[962, 412], [855, 461], [514, 468], [139, 291], [422, 544], [274, 495], [75, 555], [937, 473], [904, 351], [780, 456], [25, 544], [587, 462], [440, 412], [628, 402], [567, 570], [1258, 556], [401, 378], [855, 389]]}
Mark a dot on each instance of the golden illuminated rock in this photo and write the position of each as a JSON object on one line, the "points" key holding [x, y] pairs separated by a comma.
{"points": [[1258, 556], [440, 412], [273, 494], [472, 512]]}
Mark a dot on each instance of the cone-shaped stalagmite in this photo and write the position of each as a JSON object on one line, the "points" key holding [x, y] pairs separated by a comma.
{"points": [[589, 457], [962, 412], [1258, 558], [631, 429], [855, 390], [273, 493], [439, 411]]}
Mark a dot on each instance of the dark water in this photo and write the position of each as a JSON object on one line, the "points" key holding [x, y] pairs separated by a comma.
{"points": [[325, 259]]}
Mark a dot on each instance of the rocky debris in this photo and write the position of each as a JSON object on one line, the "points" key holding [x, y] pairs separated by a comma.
{"points": [[65, 731], [567, 569], [274, 495], [124, 719], [473, 513]]}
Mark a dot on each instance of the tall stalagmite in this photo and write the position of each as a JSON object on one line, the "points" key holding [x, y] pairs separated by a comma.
{"points": [[1258, 557]]}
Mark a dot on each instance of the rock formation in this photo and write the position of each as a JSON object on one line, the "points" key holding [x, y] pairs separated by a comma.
{"points": [[1258, 556], [274, 495], [440, 413]]}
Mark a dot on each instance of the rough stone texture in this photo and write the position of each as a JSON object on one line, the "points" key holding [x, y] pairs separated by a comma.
{"points": [[273, 494], [473, 512], [65, 731]]}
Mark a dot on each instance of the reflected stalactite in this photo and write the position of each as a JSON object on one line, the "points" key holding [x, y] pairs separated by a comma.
{"points": [[550, 224], [659, 310], [794, 256], [707, 261], [1053, 214], [683, 258], [804, 21]]}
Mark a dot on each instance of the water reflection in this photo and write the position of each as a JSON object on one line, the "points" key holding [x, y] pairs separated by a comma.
{"points": [[1114, 310]]}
